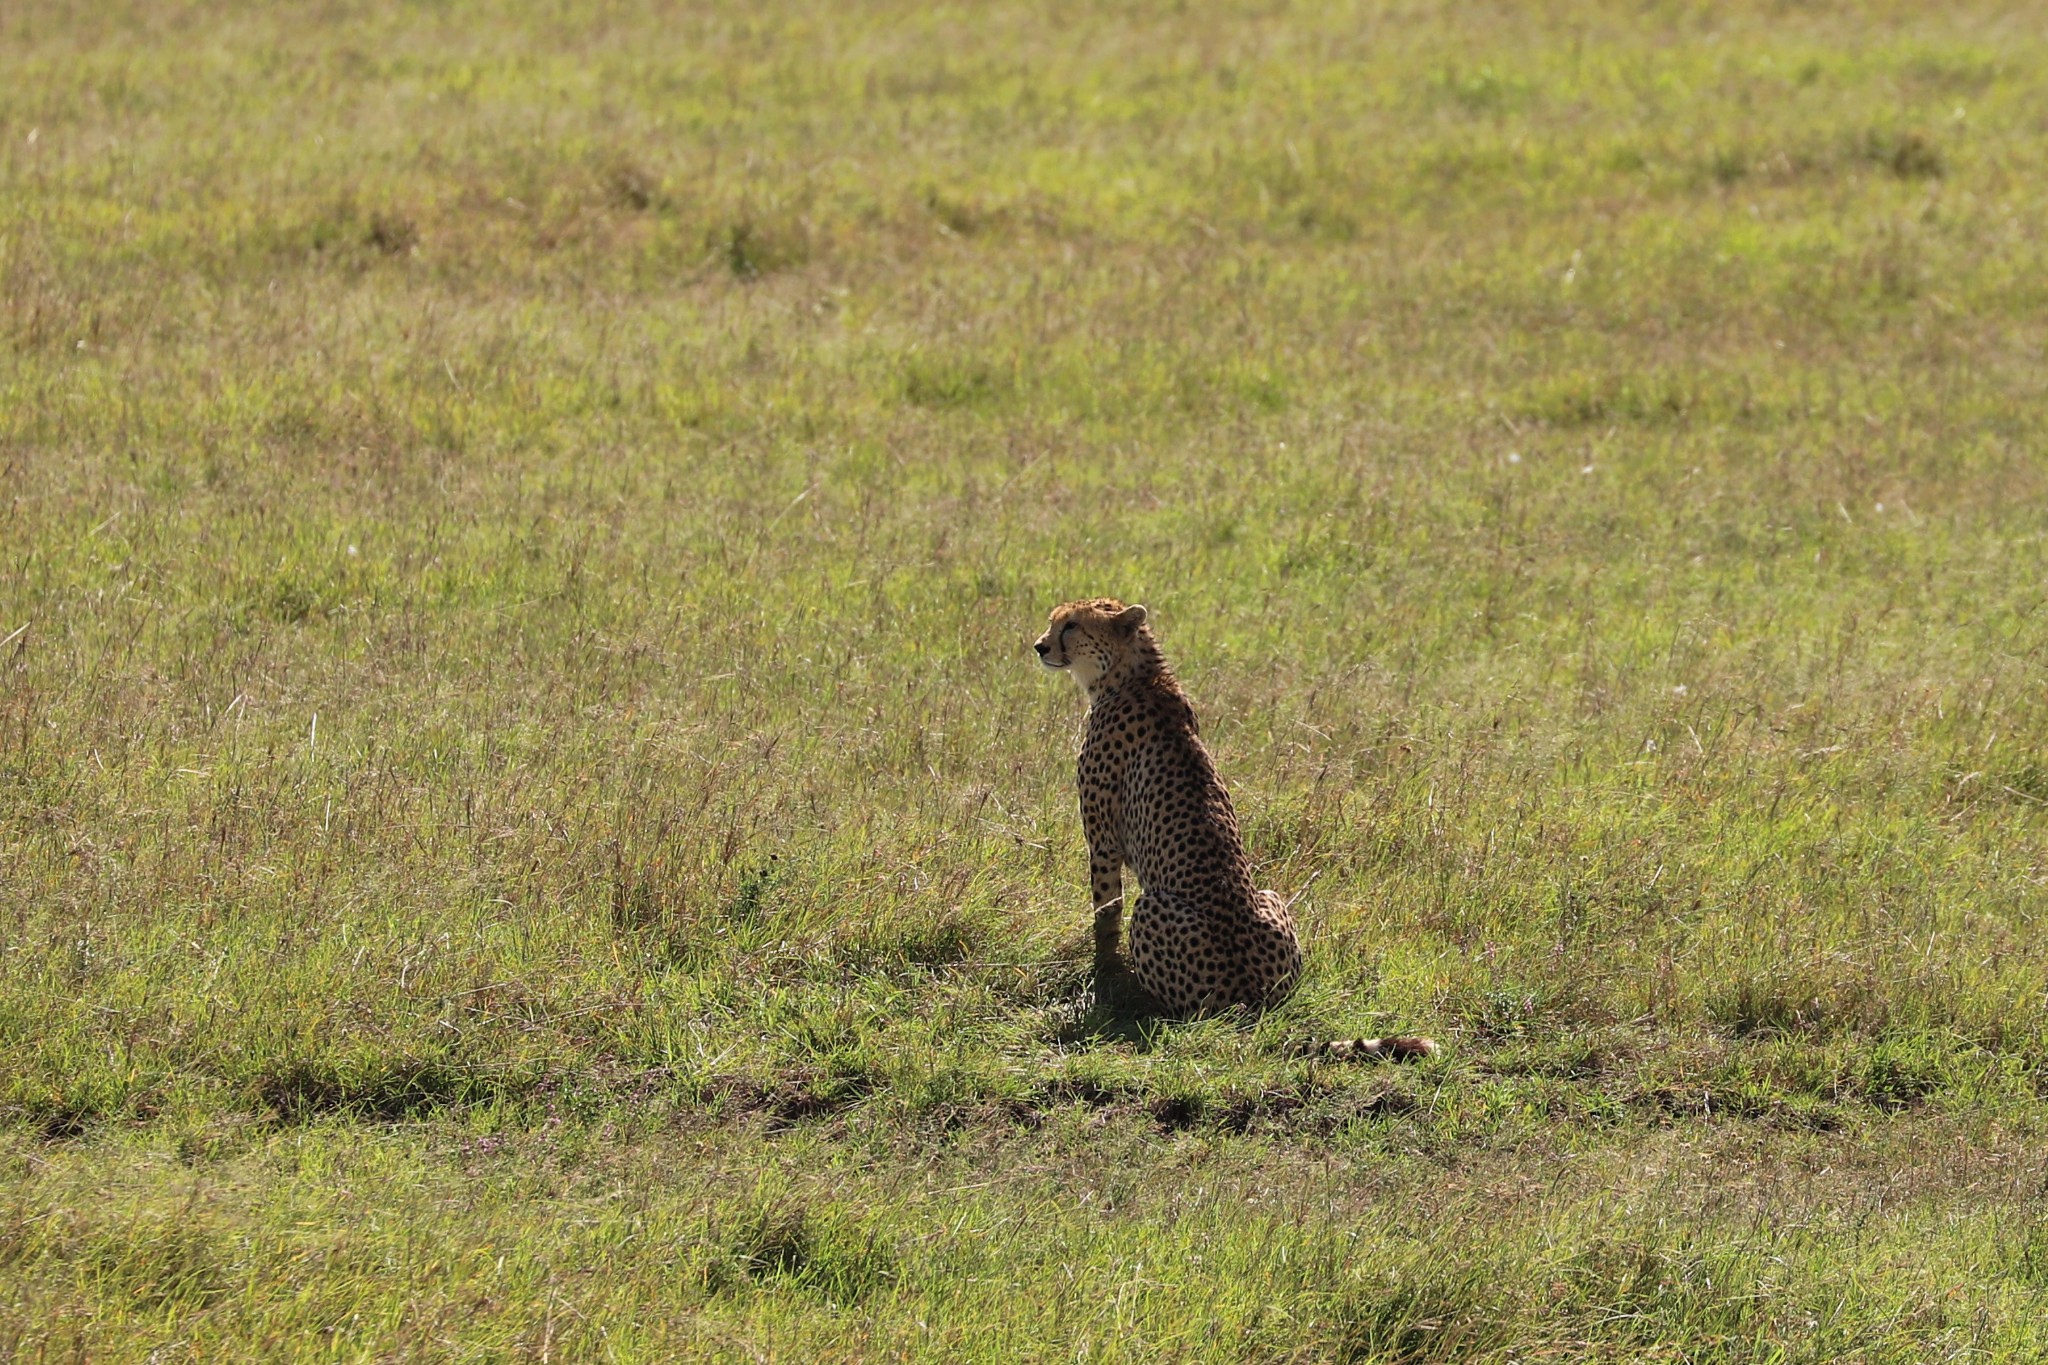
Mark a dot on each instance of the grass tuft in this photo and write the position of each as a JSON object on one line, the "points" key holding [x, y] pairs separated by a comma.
{"points": [[816, 1250]]}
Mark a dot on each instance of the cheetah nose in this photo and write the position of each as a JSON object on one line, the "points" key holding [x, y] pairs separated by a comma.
{"points": [[1043, 648]]}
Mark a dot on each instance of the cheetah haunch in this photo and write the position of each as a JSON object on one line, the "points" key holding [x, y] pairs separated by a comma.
{"points": [[1202, 937]]}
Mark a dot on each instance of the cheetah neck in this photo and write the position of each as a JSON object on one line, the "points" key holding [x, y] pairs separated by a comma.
{"points": [[1142, 663]]}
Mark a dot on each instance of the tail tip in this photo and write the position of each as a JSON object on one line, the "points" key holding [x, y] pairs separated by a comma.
{"points": [[1390, 1049]]}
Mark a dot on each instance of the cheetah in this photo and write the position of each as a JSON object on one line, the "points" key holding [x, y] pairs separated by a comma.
{"points": [[1202, 936]]}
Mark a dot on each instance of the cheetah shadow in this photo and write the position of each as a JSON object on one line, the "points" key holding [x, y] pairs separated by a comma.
{"points": [[1114, 1010], [1111, 1008]]}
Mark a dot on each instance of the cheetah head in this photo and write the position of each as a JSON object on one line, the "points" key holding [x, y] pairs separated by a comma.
{"points": [[1091, 638]]}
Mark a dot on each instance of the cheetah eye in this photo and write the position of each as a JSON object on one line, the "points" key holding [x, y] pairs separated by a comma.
{"points": [[1065, 628]]}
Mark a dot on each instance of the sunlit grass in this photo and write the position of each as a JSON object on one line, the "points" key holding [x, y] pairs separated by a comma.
{"points": [[528, 827]]}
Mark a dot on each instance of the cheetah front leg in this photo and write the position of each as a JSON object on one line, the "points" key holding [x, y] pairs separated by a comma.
{"points": [[1106, 880]]}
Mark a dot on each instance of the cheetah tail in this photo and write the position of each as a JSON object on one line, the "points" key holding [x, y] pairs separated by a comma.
{"points": [[1379, 1049]]}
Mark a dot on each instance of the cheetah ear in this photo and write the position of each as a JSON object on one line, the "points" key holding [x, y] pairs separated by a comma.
{"points": [[1130, 618]]}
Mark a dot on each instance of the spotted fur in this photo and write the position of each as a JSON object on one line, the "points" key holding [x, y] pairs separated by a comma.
{"points": [[1201, 935]]}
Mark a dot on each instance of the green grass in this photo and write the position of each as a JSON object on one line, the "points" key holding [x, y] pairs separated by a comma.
{"points": [[530, 829]]}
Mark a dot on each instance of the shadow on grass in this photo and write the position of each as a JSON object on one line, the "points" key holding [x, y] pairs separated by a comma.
{"points": [[1114, 1009], [56, 1121], [385, 1090]]}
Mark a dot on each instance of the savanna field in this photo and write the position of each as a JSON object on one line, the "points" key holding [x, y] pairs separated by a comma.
{"points": [[530, 828]]}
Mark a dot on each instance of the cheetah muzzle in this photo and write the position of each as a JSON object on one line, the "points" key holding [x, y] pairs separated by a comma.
{"points": [[1201, 936]]}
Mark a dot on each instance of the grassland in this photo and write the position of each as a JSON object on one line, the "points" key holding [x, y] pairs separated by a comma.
{"points": [[529, 829]]}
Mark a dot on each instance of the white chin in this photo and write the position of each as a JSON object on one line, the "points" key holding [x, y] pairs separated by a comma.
{"points": [[1050, 664]]}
